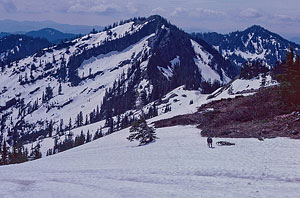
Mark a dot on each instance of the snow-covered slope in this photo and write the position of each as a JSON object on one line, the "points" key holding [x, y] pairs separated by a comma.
{"points": [[243, 87], [100, 74], [203, 61], [179, 164], [179, 101]]}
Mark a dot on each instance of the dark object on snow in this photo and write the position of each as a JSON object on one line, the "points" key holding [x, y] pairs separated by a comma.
{"points": [[260, 138], [209, 142], [224, 143]]}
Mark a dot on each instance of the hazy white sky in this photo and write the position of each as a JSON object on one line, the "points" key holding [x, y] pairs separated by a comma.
{"points": [[282, 16]]}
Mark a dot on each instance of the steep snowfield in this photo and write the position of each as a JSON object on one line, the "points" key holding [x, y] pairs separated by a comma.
{"points": [[203, 61], [179, 164]]}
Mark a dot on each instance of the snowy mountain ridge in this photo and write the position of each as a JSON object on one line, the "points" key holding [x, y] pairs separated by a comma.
{"points": [[102, 75], [254, 43]]}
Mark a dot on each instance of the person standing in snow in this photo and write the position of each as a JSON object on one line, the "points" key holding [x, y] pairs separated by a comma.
{"points": [[209, 142]]}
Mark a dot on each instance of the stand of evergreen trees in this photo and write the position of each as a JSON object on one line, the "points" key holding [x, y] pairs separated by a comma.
{"points": [[16, 153], [71, 142], [289, 78], [252, 69]]}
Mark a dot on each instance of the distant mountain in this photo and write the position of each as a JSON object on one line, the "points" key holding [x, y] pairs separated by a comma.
{"points": [[254, 43], [295, 39], [12, 26], [51, 35], [3, 34], [16, 47]]}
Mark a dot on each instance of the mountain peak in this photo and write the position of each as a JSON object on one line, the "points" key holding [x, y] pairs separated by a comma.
{"points": [[257, 29], [156, 17], [49, 30], [51, 34]]}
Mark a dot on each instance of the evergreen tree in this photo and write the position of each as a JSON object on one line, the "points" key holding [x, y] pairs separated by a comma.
{"points": [[141, 132], [86, 120], [92, 117], [70, 124], [80, 140], [290, 80], [118, 124], [97, 114], [13, 156], [2, 66], [88, 137], [4, 153], [143, 98], [43, 97], [60, 89], [50, 128], [26, 78], [48, 93], [98, 134], [62, 72], [19, 154], [167, 108], [53, 59], [61, 125], [49, 152], [68, 143], [110, 125], [79, 119], [31, 74], [155, 109], [36, 153]]}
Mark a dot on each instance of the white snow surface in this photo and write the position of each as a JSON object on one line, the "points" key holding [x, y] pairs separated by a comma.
{"points": [[179, 164], [203, 61], [244, 87]]}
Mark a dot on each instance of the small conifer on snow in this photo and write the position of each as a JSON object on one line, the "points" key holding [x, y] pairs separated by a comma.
{"points": [[141, 132]]}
